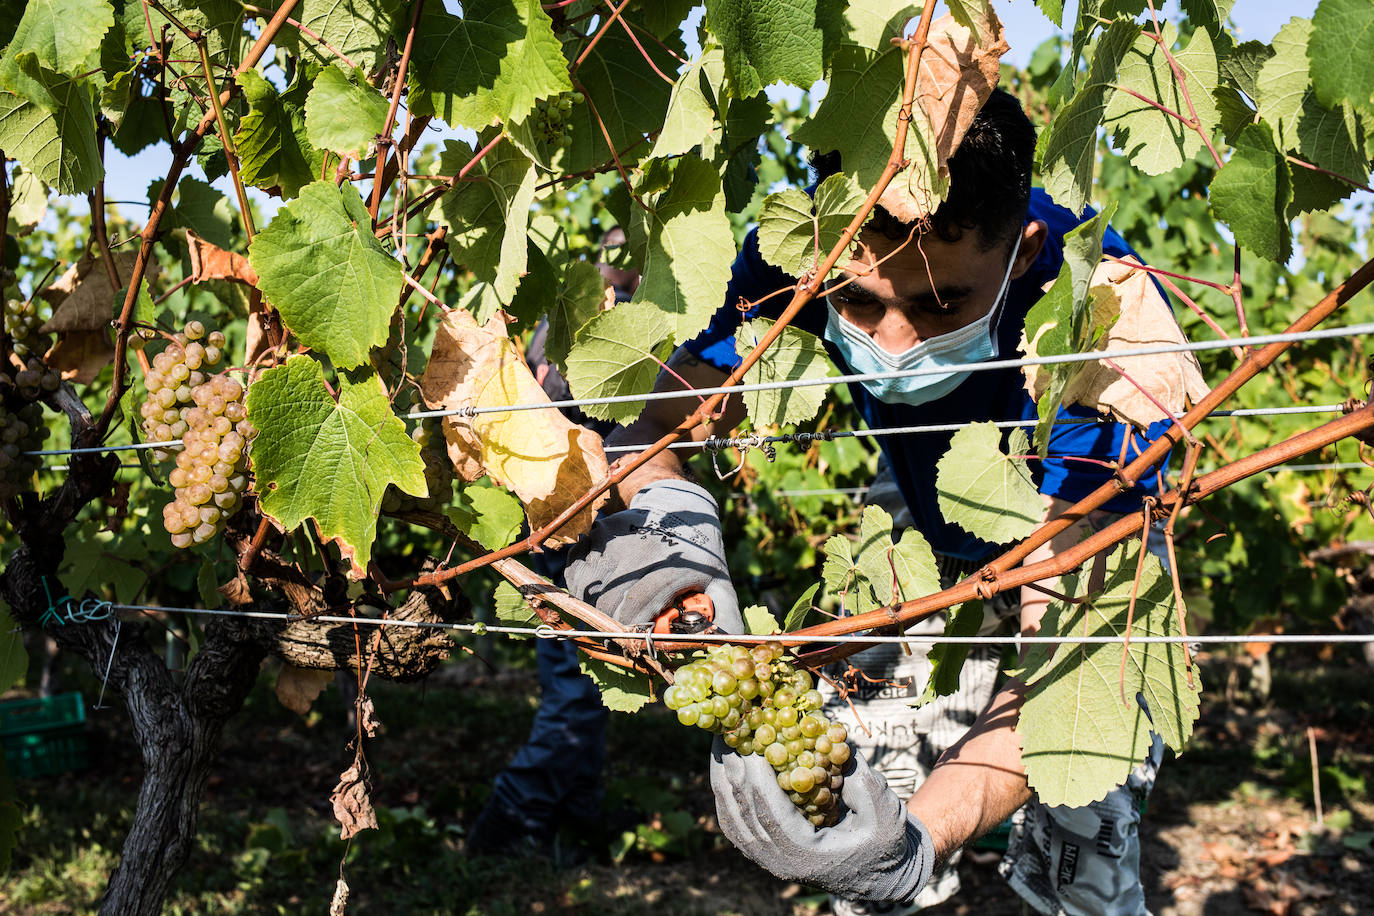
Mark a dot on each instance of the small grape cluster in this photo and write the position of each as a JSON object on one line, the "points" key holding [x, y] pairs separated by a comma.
{"points": [[761, 704], [551, 116], [207, 413], [21, 430], [438, 473], [21, 326]]}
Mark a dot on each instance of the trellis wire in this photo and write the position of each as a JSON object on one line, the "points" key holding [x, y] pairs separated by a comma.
{"points": [[988, 366], [547, 632], [789, 437]]}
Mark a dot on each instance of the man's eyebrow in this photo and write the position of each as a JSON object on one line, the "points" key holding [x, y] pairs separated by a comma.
{"points": [[941, 295]]}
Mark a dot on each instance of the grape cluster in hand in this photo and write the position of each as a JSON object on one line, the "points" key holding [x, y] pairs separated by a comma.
{"points": [[438, 473], [551, 116], [207, 413], [760, 704]]}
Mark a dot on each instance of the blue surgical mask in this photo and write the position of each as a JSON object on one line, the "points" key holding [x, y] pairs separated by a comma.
{"points": [[973, 343]]}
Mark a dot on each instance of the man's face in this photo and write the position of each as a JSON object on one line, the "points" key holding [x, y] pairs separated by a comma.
{"points": [[903, 292]]}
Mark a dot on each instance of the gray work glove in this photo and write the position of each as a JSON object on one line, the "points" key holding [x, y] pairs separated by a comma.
{"points": [[878, 851], [633, 563]]}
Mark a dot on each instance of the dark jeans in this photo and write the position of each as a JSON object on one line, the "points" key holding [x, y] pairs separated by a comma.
{"points": [[557, 772]]}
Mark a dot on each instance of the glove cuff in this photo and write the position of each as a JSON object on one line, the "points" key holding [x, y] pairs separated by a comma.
{"points": [[920, 860], [674, 493]]}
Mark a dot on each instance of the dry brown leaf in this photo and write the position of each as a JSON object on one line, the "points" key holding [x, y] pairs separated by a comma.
{"points": [[83, 299], [339, 904], [210, 262], [352, 804], [298, 688], [540, 455], [367, 716], [80, 355], [1144, 320], [237, 591], [958, 72]]}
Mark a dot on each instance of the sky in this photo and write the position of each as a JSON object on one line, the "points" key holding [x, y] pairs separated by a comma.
{"points": [[127, 178]]}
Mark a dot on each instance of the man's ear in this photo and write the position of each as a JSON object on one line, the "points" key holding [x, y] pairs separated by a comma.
{"points": [[1033, 238]]}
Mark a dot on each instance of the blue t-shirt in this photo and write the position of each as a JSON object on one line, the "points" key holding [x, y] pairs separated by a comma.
{"points": [[992, 395]]}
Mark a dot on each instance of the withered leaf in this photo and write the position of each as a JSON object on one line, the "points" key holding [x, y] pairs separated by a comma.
{"points": [[1124, 299], [298, 688], [236, 591], [352, 803], [541, 456], [959, 70], [80, 355], [83, 299], [367, 716], [210, 262]]}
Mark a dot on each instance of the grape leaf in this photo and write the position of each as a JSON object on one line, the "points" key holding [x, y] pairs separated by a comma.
{"points": [[1063, 322], [858, 117], [545, 459], [512, 610], [796, 617], [1070, 148], [326, 459], [344, 114], [489, 218], [843, 579], [1154, 141], [1252, 192], [872, 23], [358, 29], [204, 211], [691, 116], [581, 296], [489, 515], [759, 621], [797, 354], [983, 490], [796, 231], [271, 140], [1243, 65], [1053, 10], [1078, 738], [65, 35], [57, 145], [688, 247], [28, 199], [490, 65], [333, 282], [619, 352], [621, 690], [765, 43], [895, 573], [1342, 53], [1283, 82], [947, 659]]}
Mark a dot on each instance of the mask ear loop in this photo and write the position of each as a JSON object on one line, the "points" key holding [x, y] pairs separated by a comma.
{"points": [[1002, 293]]}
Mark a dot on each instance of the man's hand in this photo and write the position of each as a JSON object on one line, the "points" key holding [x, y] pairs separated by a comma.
{"points": [[633, 563], [878, 850]]}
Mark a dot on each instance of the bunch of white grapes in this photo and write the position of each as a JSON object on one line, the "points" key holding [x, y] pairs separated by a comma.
{"points": [[551, 117], [760, 704], [21, 325], [438, 473], [207, 413], [21, 430]]}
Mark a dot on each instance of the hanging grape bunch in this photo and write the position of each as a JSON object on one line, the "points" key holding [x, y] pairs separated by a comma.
{"points": [[551, 117], [438, 473], [760, 704], [21, 326], [207, 413], [21, 385]]}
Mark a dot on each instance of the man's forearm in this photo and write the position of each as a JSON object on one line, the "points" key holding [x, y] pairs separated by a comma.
{"points": [[979, 781]]}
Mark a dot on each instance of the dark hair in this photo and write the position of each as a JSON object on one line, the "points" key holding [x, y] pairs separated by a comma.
{"points": [[989, 177]]}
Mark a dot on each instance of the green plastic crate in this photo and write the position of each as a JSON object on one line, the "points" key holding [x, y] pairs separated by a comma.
{"points": [[45, 736]]}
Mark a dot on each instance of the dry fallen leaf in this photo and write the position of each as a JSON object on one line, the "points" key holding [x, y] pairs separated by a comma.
{"points": [[298, 688], [1124, 297], [352, 804], [80, 355], [237, 591], [959, 70], [83, 304], [545, 459], [210, 262]]}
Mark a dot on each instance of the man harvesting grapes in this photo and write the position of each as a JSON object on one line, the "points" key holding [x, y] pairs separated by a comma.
{"points": [[951, 291]]}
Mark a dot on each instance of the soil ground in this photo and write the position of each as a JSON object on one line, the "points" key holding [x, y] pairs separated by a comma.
{"points": [[1230, 828]]}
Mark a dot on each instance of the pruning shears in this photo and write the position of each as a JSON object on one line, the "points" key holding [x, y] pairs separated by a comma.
{"points": [[689, 612]]}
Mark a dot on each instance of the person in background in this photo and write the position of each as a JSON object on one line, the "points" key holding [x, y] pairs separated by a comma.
{"points": [[554, 779]]}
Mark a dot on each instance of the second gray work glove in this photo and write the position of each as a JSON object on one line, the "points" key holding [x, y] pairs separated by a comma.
{"points": [[633, 563], [878, 851]]}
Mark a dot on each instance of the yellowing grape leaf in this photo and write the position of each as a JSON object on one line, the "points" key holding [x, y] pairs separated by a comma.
{"points": [[544, 458], [1123, 297], [959, 70]]}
